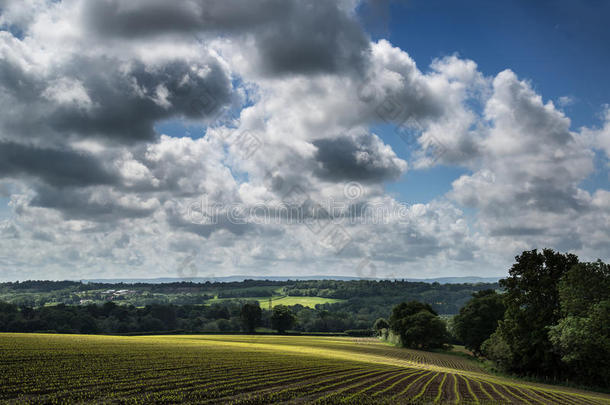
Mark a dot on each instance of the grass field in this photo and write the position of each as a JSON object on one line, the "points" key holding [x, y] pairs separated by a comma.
{"points": [[310, 302], [239, 369]]}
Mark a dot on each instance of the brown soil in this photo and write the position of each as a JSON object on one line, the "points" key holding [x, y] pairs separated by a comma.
{"points": [[448, 392], [432, 388], [514, 399], [382, 378], [364, 380], [465, 395], [417, 386], [388, 382], [403, 384]]}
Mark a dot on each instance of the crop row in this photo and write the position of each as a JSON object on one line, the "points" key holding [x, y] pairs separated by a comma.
{"points": [[412, 386]]}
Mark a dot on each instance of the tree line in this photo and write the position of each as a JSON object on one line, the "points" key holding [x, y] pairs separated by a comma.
{"points": [[230, 316]]}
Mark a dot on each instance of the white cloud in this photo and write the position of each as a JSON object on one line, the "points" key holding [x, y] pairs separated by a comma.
{"points": [[66, 91], [565, 101], [599, 138]]}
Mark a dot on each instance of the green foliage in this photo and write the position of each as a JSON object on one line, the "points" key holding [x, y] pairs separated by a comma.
{"points": [[582, 286], [582, 337], [497, 349], [282, 318], [418, 326], [532, 307], [478, 319], [356, 304], [360, 332], [381, 327], [251, 315], [381, 295], [263, 291], [557, 319]]}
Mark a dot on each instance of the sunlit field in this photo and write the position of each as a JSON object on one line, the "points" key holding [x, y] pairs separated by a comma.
{"points": [[240, 369], [309, 302]]}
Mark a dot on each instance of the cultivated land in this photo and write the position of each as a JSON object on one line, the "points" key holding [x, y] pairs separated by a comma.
{"points": [[309, 302], [238, 369]]}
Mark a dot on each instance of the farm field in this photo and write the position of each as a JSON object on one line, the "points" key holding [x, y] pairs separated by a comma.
{"points": [[240, 369], [310, 302]]}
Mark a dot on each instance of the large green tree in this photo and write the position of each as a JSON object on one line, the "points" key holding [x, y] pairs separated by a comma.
{"points": [[282, 318], [532, 307], [582, 337], [582, 286], [418, 326], [478, 319], [251, 315], [380, 326]]}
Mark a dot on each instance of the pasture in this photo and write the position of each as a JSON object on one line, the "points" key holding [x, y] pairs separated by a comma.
{"points": [[244, 369], [309, 302]]}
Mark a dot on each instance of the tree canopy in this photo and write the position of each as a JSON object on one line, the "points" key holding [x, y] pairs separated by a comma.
{"points": [[478, 319], [251, 315], [380, 324], [582, 337], [418, 326], [557, 319], [282, 318]]}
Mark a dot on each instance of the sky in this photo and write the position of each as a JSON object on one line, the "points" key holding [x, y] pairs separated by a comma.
{"points": [[205, 138]]}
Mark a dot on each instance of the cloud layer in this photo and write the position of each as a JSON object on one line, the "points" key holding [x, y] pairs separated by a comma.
{"points": [[287, 96]]}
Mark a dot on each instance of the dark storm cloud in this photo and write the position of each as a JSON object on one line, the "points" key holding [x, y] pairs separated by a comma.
{"points": [[206, 225], [126, 114], [79, 204], [550, 196], [360, 159], [318, 38], [569, 242], [412, 246], [142, 18], [292, 36], [516, 231], [59, 168], [125, 101], [15, 80], [536, 194]]}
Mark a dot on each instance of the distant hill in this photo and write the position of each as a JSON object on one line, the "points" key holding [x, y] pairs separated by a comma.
{"points": [[238, 278], [457, 280]]}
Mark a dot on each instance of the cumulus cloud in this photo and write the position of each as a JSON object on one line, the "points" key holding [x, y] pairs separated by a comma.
{"points": [[58, 168], [527, 184], [599, 138]]}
